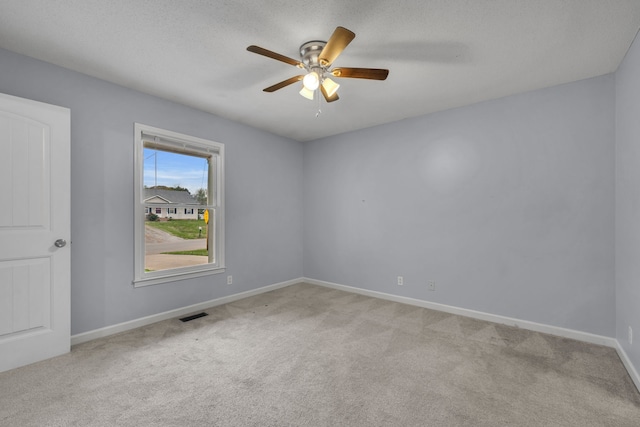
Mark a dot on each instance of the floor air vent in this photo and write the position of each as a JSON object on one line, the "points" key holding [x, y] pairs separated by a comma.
{"points": [[193, 316]]}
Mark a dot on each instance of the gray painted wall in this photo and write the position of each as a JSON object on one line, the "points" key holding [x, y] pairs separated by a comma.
{"points": [[628, 202], [263, 195], [508, 205]]}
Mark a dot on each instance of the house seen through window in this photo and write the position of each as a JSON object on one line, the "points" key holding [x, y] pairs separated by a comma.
{"points": [[179, 209]]}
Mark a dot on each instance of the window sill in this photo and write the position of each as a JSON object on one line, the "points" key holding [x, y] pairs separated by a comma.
{"points": [[176, 275]]}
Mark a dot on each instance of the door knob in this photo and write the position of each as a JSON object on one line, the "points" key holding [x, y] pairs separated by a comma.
{"points": [[60, 243]]}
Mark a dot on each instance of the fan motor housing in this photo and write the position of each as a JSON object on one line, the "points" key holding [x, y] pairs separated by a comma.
{"points": [[310, 51]]}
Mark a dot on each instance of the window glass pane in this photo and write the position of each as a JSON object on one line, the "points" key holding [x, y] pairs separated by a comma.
{"points": [[166, 169], [177, 236], [175, 243]]}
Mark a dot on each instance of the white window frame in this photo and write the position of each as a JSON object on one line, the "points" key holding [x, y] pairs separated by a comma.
{"points": [[177, 142]]}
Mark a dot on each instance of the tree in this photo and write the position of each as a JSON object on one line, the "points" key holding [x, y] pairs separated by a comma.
{"points": [[201, 196]]}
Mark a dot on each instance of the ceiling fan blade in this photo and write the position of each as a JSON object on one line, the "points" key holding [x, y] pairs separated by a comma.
{"points": [[269, 54], [340, 38], [283, 83], [361, 73], [328, 98]]}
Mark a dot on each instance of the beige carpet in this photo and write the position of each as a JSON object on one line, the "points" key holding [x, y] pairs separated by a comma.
{"points": [[312, 356]]}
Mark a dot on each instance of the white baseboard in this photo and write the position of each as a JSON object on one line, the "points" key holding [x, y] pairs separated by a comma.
{"points": [[137, 323], [524, 324], [633, 373]]}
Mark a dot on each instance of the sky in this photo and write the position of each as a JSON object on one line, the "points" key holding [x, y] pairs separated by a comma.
{"points": [[174, 169]]}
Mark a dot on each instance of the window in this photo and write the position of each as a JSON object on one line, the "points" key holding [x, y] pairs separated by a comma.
{"points": [[177, 173]]}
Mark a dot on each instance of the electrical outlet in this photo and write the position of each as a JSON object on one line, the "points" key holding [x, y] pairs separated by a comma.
{"points": [[432, 285], [630, 335], [400, 281], [229, 280]]}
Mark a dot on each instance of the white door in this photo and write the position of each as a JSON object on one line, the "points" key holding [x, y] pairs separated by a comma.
{"points": [[34, 214]]}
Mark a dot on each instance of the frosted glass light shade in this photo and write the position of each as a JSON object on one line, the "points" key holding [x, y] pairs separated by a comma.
{"points": [[330, 86], [311, 81], [307, 93]]}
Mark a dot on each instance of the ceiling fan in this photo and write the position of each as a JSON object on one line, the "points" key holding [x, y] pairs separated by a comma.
{"points": [[316, 59]]}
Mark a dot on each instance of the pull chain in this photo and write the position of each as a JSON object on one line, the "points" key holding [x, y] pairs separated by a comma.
{"points": [[319, 110]]}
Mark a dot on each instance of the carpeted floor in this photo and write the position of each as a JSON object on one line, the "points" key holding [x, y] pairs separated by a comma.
{"points": [[312, 356]]}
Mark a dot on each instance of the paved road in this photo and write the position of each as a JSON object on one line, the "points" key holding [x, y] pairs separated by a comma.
{"points": [[157, 242], [181, 245], [163, 262]]}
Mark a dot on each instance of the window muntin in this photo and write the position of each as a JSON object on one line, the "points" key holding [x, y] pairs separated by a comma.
{"points": [[165, 162]]}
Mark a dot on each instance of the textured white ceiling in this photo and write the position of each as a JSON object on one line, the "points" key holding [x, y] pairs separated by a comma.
{"points": [[441, 53]]}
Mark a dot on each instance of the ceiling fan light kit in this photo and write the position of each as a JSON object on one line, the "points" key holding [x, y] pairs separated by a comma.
{"points": [[316, 58]]}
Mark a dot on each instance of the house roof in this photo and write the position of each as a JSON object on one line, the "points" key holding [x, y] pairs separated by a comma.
{"points": [[441, 54], [182, 197]]}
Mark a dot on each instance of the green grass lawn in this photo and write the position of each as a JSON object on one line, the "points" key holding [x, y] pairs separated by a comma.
{"points": [[199, 252], [184, 228]]}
